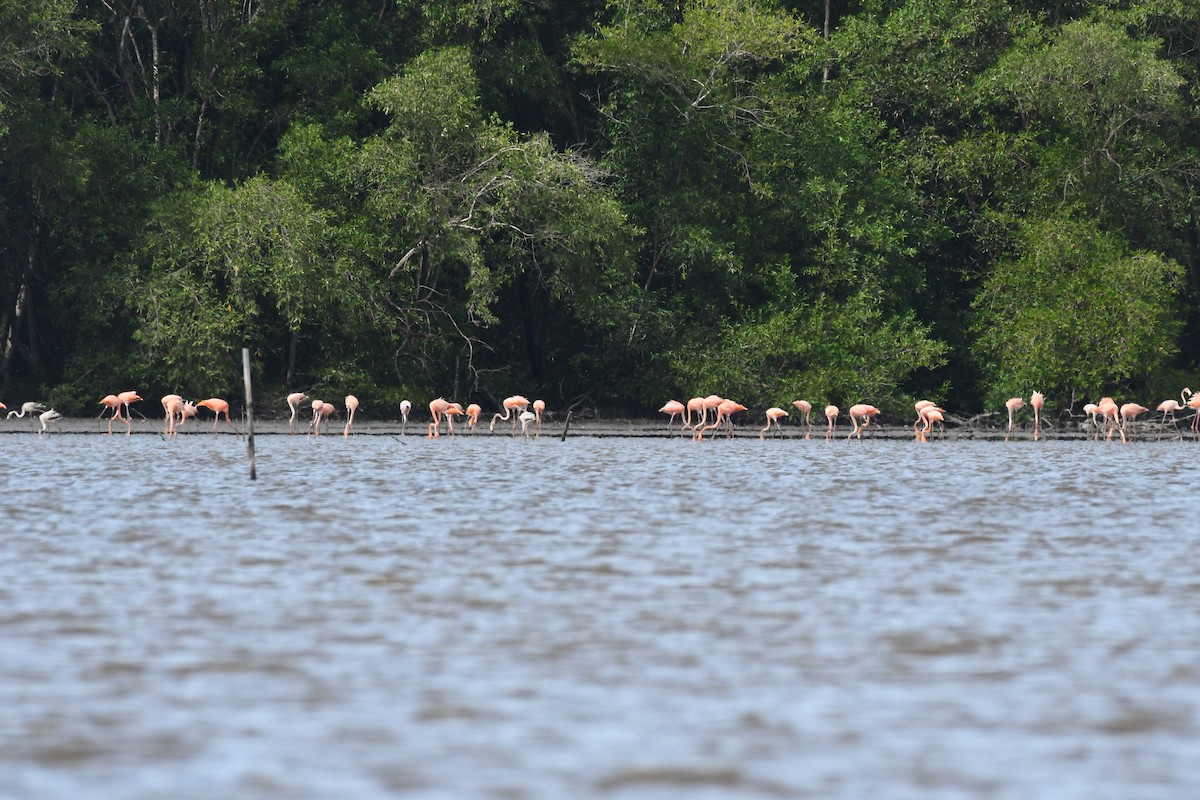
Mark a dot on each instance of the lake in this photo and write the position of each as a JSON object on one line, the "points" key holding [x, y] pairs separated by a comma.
{"points": [[488, 617]]}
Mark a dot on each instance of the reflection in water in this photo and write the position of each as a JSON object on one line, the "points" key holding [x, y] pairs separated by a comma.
{"points": [[600, 617]]}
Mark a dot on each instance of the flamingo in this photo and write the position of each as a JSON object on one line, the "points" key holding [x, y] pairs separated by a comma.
{"points": [[862, 411], [453, 410], [1129, 414], [1170, 407], [110, 403], [538, 407], [805, 408], [473, 412], [172, 405], [831, 415], [924, 409], [696, 405], [321, 411], [448, 412], [46, 418], [125, 398], [1036, 401], [294, 400], [30, 408], [186, 412], [405, 407], [527, 418], [774, 414], [218, 407], [1193, 402], [930, 415], [351, 407], [675, 409], [1013, 404], [1107, 408], [725, 411], [1090, 410], [511, 406], [436, 409]]}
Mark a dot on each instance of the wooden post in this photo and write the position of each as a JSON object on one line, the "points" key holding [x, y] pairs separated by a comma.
{"points": [[249, 411], [566, 427]]}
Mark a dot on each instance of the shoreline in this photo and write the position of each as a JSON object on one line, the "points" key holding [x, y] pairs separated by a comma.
{"points": [[1148, 430]]}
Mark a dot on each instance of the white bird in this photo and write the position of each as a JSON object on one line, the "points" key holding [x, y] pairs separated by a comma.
{"points": [[47, 417], [527, 418], [27, 408], [405, 407]]}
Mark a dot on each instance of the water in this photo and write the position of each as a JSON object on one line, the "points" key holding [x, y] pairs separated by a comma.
{"points": [[600, 618]]}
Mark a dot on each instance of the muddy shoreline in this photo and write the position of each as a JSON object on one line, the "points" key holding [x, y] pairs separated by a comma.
{"points": [[615, 428]]}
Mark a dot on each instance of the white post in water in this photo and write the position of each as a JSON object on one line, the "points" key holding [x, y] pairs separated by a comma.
{"points": [[249, 410]]}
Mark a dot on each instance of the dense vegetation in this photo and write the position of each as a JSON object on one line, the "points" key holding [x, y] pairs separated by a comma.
{"points": [[600, 202]]}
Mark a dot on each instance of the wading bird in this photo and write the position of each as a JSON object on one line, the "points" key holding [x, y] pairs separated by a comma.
{"points": [[294, 400], [405, 407], [805, 409], [774, 414], [473, 412], [218, 407], [1013, 404], [1169, 407], [351, 407], [675, 409], [725, 411], [321, 412], [512, 406], [831, 415], [437, 408], [110, 403], [538, 407], [29, 408], [527, 418], [46, 418], [1129, 415], [1036, 401], [862, 411]]}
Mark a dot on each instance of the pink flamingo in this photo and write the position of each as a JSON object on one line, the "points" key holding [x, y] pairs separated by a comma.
{"points": [[831, 416], [1193, 402], [473, 412], [861, 411], [696, 406], [1107, 409], [294, 400], [110, 403], [351, 407], [1170, 407], [171, 403], [675, 409], [1036, 401], [1013, 404], [805, 409], [437, 408], [774, 414], [511, 406], [321, 412], [929, 415], [218, 407], [125, 398], [538, 407], [1129, 414], [725, 411]]}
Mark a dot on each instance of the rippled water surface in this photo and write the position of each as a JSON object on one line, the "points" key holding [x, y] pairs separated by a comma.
{"points": [[598, 618]]}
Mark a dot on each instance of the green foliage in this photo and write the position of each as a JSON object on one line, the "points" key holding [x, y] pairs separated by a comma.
{"points": [[1075, 313], [610, 200], [829, 352]]}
